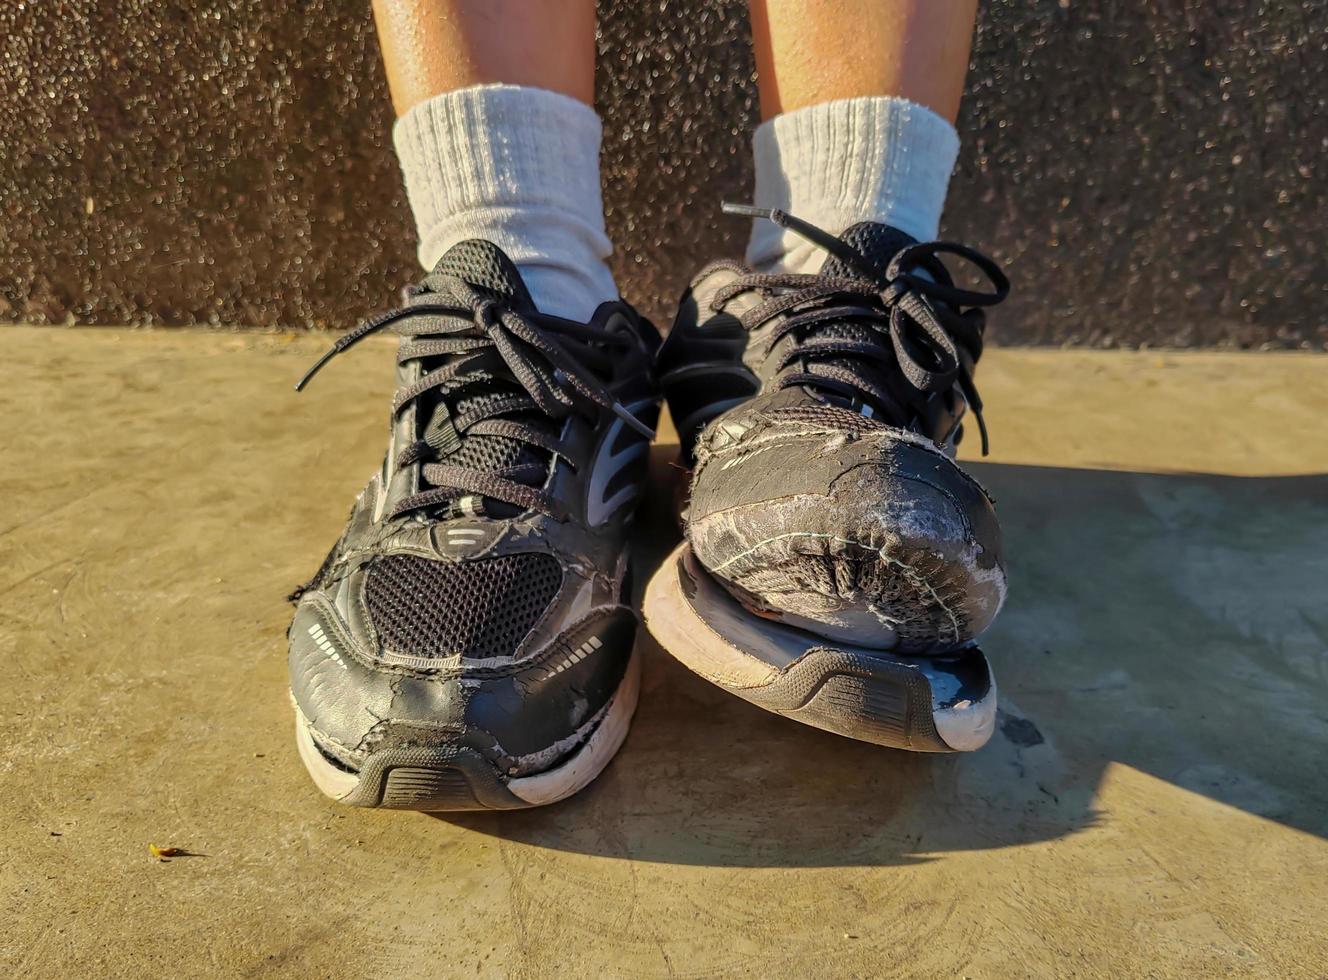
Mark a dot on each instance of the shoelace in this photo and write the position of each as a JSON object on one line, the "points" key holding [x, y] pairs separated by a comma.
{"points": [[913, 303], [469, 326]]}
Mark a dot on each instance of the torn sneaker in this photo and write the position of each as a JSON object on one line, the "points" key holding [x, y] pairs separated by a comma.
{"points": [[467, 644], [837, 564]]}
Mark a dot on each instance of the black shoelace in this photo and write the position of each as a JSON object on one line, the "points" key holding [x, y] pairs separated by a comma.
{"points": [[482, 340], [912, 302]]}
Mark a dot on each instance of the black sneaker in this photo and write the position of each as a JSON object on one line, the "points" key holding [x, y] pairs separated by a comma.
{"points": [[837, 565], [468, 642]]}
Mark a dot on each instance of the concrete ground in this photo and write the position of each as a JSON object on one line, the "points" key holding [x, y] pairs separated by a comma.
{"points": [[1155, 801]]}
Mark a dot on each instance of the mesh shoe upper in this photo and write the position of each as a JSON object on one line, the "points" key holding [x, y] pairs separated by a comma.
{"points": [[479, 609]]}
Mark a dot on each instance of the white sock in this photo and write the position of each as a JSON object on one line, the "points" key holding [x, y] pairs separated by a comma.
{"points": [[519, 167], [879, 158]]}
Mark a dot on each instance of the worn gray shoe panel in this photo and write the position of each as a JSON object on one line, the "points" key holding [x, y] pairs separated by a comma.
{"points": [[700, 364], [515, 716]]}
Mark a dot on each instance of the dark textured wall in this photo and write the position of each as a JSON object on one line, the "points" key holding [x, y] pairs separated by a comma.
{"points": [[1149, 172]]}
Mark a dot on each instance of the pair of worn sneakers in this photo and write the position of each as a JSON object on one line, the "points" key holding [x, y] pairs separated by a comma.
{"points": [[468, 643]]}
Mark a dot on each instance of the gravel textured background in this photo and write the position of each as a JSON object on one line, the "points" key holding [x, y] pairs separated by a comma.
{"points": [[1149, 173]]}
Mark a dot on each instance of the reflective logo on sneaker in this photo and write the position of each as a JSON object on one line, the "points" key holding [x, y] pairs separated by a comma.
{"points": [[579, 654], [324, 644]]}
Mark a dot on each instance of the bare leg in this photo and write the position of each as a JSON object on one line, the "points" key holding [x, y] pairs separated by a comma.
{"points": [[435, 46], [814, 51]]}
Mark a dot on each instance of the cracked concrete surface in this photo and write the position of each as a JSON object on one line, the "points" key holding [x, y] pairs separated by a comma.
{"points": [[1154, 801]]}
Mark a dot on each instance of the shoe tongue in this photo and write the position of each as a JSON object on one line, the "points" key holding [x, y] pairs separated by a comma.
{"points": [[484, 265], [878, 244]]}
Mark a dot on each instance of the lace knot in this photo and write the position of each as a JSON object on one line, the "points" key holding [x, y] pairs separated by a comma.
{"points": [[486, 310]]}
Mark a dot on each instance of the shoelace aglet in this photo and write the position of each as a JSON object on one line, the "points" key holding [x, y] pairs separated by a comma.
{"points": [[346, 341], [317, 366], [822, 239], [751, 211], [975, 403], [620, 410]]}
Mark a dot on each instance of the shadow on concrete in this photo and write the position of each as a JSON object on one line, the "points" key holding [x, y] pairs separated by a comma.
{"points": [[1172, 623]]}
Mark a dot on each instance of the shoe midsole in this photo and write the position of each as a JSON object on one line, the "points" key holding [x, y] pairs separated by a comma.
{"points": [[699, 623]]}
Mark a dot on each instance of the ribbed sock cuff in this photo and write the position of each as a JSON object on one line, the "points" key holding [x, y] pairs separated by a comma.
{"points": [[519, 167], [880, 158]]}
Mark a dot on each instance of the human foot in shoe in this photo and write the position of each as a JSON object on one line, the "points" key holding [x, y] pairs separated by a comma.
{"points": [[838, 565], [467, 643]]}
